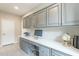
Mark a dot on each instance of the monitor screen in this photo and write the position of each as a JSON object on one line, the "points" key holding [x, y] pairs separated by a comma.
{"points": [[38, 33]]}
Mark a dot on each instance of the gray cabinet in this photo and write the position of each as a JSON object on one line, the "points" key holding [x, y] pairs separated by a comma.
{"points": [[24, 23], [54, 15], [35, 49], [70, 14], [58, 53], [33, 20], [26, 47], [27, 22], [50, 16], [44, 51], [41, 18]]}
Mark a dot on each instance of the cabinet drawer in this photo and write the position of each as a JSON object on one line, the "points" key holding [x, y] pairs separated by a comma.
{"points": [[59, 53]]}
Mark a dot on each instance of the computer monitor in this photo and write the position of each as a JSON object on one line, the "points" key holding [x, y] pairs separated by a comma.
{"points": [[38, 33]]}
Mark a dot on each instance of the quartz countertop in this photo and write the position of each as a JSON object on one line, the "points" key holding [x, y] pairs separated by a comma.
{"points": [[54, 45]]}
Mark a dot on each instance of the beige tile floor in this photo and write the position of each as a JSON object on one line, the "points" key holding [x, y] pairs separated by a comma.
{"points": [[11, 50]]}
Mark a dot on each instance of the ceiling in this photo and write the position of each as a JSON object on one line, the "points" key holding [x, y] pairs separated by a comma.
{"points": [[23, 7]]}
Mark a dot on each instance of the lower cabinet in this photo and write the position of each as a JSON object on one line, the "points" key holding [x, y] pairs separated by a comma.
{"points": [[44, 51], [35, 49], [59, 53], [26, 47]]}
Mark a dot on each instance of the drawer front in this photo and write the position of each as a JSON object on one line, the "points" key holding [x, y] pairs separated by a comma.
{"points": [[59, 53]]}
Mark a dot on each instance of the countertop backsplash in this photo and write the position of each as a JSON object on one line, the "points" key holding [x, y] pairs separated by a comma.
{"points": [[31, 32], [55, 33], [50, 35]]}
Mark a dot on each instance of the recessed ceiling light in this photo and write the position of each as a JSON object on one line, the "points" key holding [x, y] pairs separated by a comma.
{"points": [[16, 7]]}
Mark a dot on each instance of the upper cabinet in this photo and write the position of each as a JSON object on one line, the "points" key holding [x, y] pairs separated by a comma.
{"points": [[41, 18], [70, 14], [50, 16], [27, 22], [33, 20], [54, 15]]}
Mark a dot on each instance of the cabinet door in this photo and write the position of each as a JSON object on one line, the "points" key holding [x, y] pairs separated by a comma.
{"points": [[27, 22], [24, 23], [26, 47], [41, 18], [33, 20], [54, 15], [44, 51], [70, 14]]}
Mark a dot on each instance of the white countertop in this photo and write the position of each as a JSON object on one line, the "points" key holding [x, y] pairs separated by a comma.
{"points": [[55, 45]]}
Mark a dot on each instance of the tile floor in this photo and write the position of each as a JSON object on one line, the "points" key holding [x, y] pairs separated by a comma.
{"points": [[12, 50]]}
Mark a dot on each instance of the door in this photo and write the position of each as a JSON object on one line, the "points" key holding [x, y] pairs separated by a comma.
{"points": [[70, 14], [7, 32], [41, 18], [54, 15]]}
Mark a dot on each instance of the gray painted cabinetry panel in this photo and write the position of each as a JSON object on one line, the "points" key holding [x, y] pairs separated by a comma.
{"points": [[54, 15], [58, 53], [41, 18], [44, 51], [33, 20], [32, 48], [50, 16], [70, 14], [27, 22], [29, 48], [26, 47]]}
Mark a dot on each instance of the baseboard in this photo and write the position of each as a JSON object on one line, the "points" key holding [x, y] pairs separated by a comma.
{"points": [[8, 44]]}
